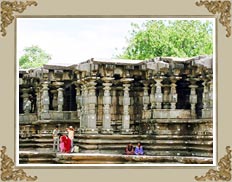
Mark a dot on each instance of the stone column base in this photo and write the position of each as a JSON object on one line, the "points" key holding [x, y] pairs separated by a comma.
{"points": [[126, 131], [90, 131], [107, 131]]}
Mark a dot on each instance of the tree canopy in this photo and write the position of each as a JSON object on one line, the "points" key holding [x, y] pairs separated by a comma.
{"points": [[33, 57], [180, 38]]}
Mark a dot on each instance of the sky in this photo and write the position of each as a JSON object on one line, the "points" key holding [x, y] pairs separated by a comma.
{"points": [[72, 40]]}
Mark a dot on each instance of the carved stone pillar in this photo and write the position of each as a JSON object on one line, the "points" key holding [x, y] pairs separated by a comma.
{"points": [[55, 100], [91, 107], [84, 104], [211, 94], [205, 95], [152, 96], [146, 100], [206, 111], [60, 99], [78, 100], [25, 97], [166, 96], [106, 128], [45, 101], [45, 98], [173, 94], [38, 101], [158, 93], [126, 102], [193, 97], [114, 104]]}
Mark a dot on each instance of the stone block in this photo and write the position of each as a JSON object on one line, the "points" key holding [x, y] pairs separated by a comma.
{"points": [[58, 116], [73, 115], [107, 131], [126, 132], [67, 116], [207, 113], [146, 114], [168, 113], [21, 118], [26, 118], [45, 116]]}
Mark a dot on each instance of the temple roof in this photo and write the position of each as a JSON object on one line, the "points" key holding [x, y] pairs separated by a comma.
{"points": [[205, 60], [117, 61]]}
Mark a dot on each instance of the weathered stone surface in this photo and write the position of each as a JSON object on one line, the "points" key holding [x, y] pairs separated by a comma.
{"points": [[124, 159], [166, 113]]}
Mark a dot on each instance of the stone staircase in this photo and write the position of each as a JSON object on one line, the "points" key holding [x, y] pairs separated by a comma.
{"points": [[154, 145], [37, 149], [37, 157]]}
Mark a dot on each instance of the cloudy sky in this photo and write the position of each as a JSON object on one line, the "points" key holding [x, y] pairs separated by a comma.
{"points": [[75, 39]]}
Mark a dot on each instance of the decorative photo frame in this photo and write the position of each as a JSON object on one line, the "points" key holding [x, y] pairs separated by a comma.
{"points": [[222, 8]]}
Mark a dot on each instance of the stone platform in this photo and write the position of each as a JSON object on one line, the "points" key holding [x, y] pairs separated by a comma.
{"points": [[33, 157]]}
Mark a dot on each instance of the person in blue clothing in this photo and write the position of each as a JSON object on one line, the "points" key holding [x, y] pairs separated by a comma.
{"points": [[139, 149]]}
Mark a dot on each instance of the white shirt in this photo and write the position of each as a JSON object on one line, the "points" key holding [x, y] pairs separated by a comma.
{"points": [[71, 134]]}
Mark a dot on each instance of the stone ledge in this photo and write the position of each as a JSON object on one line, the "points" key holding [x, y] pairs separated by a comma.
{"points": [[111, 158]]}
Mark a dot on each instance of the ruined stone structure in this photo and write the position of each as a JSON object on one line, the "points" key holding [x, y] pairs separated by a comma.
{"points": [[166, 103]]}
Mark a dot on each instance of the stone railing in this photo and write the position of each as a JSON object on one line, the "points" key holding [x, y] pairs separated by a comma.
{"points": [[59, 115], [28, 118]]}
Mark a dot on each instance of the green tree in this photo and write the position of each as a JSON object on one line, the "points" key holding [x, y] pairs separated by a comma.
{"points": [[180, 38], [33, 57]]}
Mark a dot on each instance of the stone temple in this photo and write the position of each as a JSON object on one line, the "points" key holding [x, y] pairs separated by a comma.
{"points": [[165, 103]]}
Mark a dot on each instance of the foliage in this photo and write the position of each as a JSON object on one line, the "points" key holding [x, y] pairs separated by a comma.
{"points": [[33, 57], [180, 38]]}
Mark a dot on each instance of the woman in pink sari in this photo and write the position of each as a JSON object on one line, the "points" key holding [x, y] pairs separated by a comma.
{"points": [[62, 143], [67, 145]]}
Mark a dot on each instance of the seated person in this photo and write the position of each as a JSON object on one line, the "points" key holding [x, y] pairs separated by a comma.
{"points": [[139, 149], [129, 149]]}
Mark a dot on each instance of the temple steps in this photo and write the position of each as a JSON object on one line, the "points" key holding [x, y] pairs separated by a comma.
{"points": [[158, 148], [33, 157], [117, 143], [127, 159], [172, 145]]}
